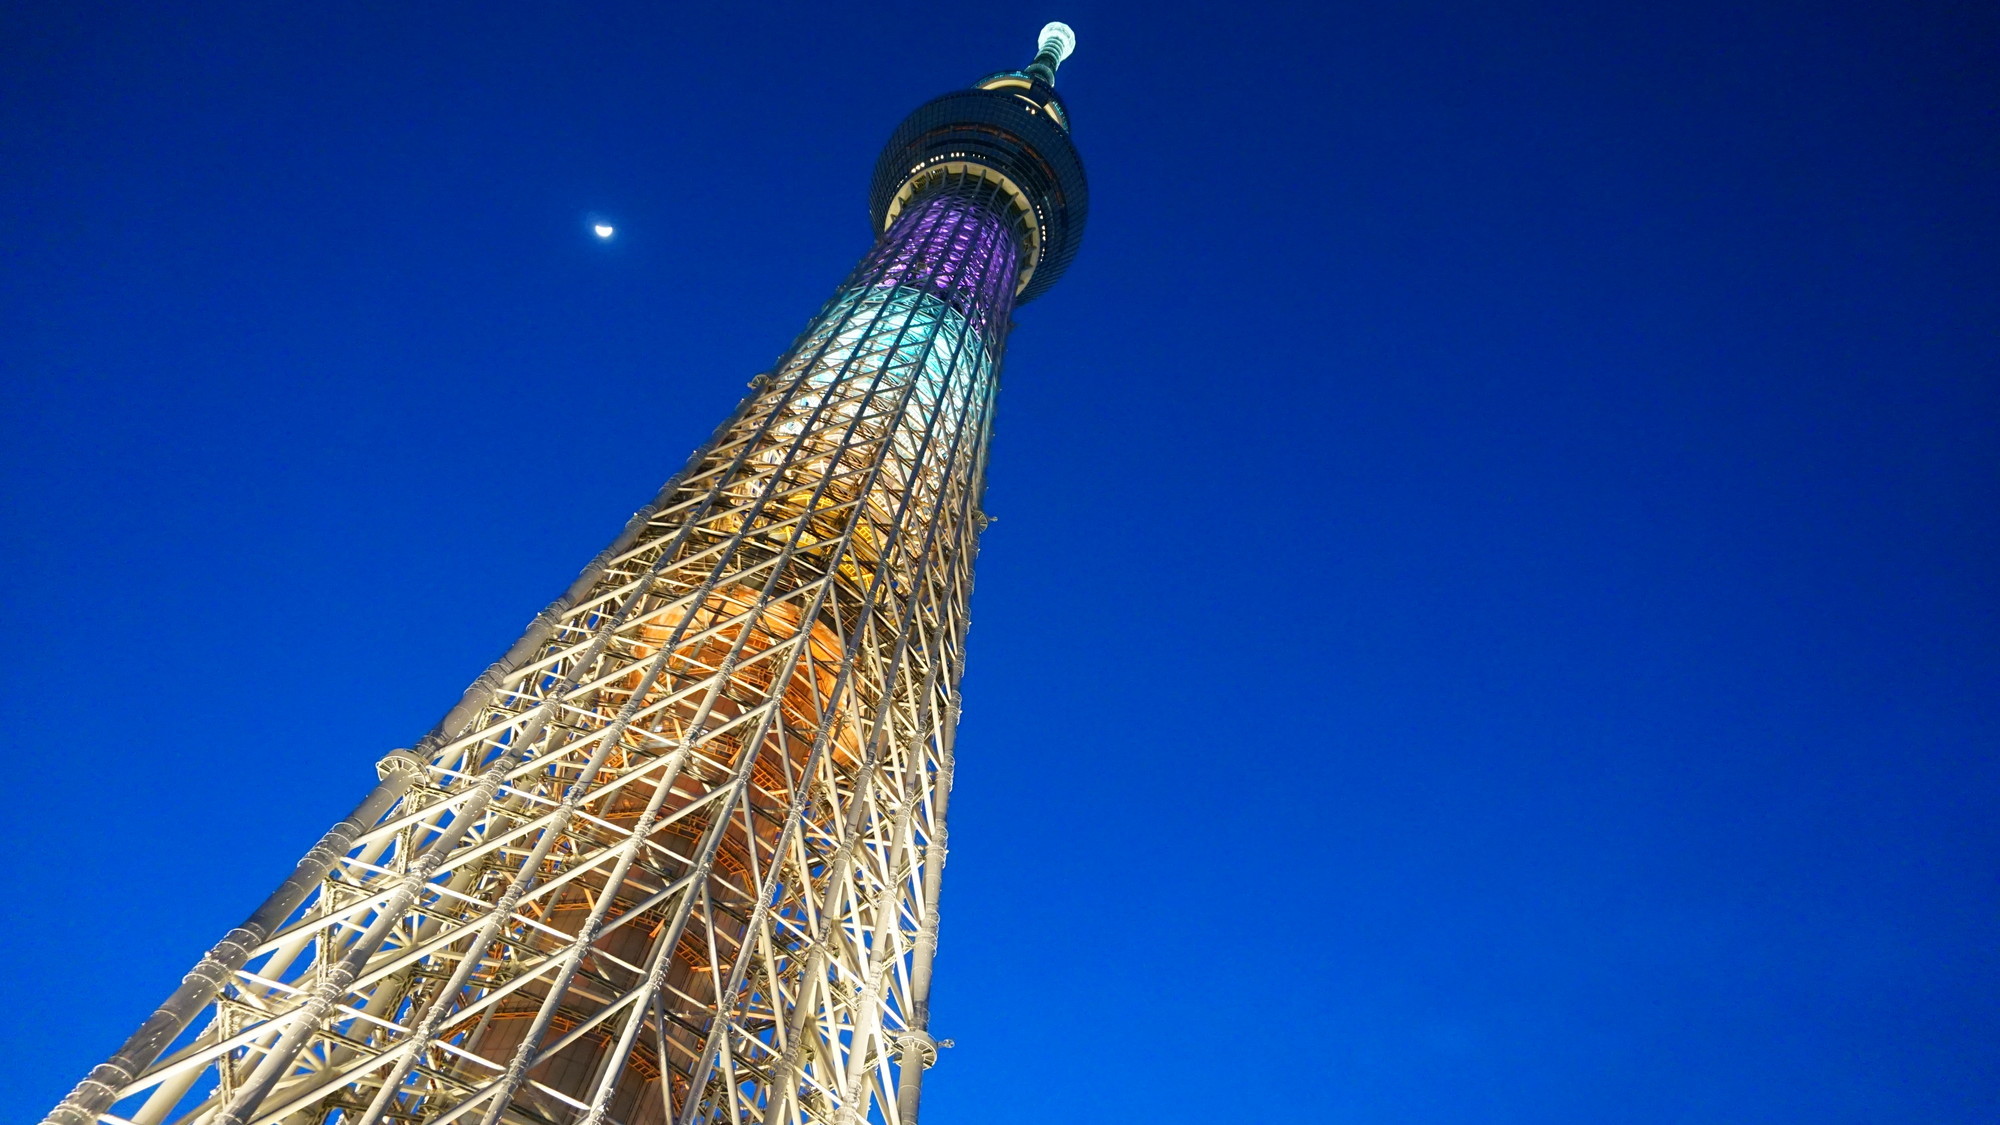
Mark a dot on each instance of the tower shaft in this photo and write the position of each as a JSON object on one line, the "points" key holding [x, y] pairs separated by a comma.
{"points": [[676, 857]]}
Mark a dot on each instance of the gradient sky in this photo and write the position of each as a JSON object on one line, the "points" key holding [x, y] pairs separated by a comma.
{"points": [[1493, 613]]}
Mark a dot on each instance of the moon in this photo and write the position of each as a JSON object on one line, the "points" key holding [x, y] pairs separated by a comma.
{"points": [[603, 230]]}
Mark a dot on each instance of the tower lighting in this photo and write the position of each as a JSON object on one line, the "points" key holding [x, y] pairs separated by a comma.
{"points": [[675, 857]]}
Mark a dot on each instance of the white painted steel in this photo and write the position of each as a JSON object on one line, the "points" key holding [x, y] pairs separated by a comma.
{"points": [[676, 857]]}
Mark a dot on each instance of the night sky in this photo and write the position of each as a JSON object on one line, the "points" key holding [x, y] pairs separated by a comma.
{"points": [[1492, 614]]}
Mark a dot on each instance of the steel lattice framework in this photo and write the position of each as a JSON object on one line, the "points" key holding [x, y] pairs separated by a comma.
{"points": [[675, 858]]}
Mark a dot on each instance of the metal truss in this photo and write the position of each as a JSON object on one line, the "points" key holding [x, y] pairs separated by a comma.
{"points": [[676, 857]]}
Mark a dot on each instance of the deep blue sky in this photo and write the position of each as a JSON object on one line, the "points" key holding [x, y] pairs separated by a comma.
{"points": [[1493, 615]]}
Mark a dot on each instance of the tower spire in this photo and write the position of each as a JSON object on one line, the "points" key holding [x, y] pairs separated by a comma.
{"points": [[1057, 42]]}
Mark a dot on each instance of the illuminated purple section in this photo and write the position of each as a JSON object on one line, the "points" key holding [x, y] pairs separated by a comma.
{"points": [[955, 248]]}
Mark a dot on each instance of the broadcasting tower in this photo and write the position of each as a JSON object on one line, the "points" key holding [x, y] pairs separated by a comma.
{"points": [[675, 857]]}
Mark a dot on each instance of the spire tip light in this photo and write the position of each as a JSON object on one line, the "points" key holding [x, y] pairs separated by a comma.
{"points": [[1054, 45], [1059, 36]]}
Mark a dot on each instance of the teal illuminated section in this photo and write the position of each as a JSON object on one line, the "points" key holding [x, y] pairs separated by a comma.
{"points": [[922, 323]]}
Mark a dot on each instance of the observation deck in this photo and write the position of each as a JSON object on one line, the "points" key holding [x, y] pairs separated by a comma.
{"points": [[1011, 130]]}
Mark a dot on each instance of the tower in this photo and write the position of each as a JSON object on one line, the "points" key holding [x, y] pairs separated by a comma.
{"points": [[675, 857]]}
